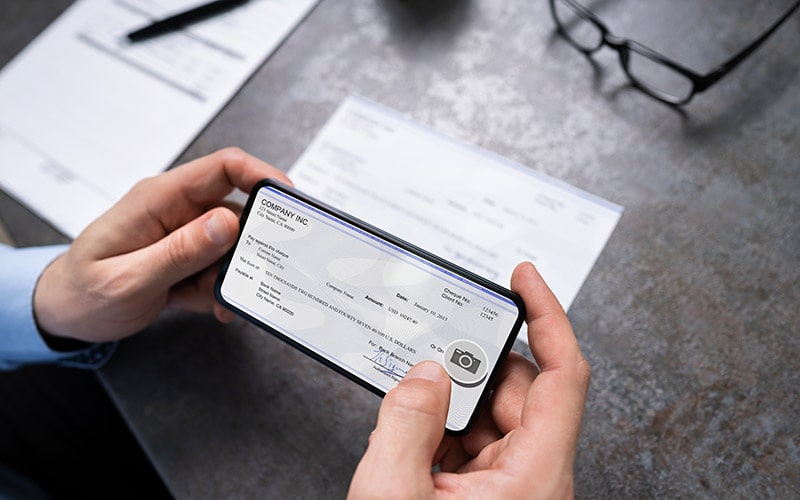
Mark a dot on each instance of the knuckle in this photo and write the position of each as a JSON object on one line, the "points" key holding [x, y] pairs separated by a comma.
{"points": [[584, 372], [232, 154], [145, 185], [178, 248]]}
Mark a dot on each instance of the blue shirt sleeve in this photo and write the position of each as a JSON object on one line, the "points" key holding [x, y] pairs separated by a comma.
{"points": [[20, 341]]}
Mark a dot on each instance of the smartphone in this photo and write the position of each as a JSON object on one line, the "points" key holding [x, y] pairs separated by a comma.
{"points": [[364, 302]]}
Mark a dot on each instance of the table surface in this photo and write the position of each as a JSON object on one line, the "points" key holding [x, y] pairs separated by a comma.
{"points": [[689, 319]]}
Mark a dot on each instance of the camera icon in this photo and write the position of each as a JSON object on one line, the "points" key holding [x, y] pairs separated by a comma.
{"points": [[465, 360], [466, 363]]}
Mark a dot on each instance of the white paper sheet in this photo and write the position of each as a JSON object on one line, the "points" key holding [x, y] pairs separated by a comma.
{"points": [[84, 115], [467, 205]]}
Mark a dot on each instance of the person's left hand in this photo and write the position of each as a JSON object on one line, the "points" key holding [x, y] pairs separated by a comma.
{"points": [[156, 247]]}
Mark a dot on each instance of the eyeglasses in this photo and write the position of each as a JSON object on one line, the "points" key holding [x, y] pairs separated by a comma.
{"points": [[649, 71]]}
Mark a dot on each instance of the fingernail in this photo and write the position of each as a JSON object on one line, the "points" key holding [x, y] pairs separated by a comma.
{"points": [[217, 230], [427, 370]]}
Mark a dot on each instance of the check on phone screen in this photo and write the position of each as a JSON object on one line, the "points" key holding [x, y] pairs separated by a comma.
{"points": [[364, 302]]}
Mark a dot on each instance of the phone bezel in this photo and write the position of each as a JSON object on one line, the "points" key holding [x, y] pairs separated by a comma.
{"points": [[405, 245]]}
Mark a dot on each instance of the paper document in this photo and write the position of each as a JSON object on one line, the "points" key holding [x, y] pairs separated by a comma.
{"points": [[84, 114], [467, 205]]}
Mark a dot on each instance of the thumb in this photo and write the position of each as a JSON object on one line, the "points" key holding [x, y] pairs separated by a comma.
{"points": [[410, 428], [189, 249]]}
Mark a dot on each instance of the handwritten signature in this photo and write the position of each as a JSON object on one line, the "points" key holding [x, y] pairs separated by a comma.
{"points": [[386, 364]]}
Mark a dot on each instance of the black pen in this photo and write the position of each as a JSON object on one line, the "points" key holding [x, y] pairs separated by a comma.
{"points": [[178, 21]]}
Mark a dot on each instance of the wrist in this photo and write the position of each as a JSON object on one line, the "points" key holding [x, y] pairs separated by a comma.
{"points": [[51, 309]]}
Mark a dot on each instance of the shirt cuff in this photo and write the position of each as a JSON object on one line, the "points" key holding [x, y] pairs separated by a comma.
{"points": [[20, 340]]}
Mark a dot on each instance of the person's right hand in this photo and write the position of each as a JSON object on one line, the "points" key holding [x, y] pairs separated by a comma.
{"points": [[523, 445]]}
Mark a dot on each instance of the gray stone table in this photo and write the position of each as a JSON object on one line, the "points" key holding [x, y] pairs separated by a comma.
{"points": [[690, 318]]}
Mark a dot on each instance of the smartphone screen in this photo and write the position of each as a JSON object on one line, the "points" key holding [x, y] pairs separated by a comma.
{"points": [[365, 303]]}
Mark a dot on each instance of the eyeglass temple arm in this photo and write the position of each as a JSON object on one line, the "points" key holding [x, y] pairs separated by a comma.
{"points": [[724, 68]]}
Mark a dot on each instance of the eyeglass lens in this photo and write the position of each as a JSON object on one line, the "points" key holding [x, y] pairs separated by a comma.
{"points": [[658, 78], [578, 30], [647, 71]]}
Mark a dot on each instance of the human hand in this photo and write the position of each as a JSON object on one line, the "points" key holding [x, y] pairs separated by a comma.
{"points": [[156, 247], [523, 445]]}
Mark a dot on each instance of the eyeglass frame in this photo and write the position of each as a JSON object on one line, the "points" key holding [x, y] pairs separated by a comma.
{"points": [[624, 46]]}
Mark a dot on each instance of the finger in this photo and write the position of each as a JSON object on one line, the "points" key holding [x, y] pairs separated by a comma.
{"points": [[210, 178], [483, 432], [196, 293], [184, 252], [156, 206], [410, 427], [222, 314], [233, 206], [503, 416], [554, 406], [550, 335], [511, 389], [504, 409], [454, 458], [413, 414]]}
